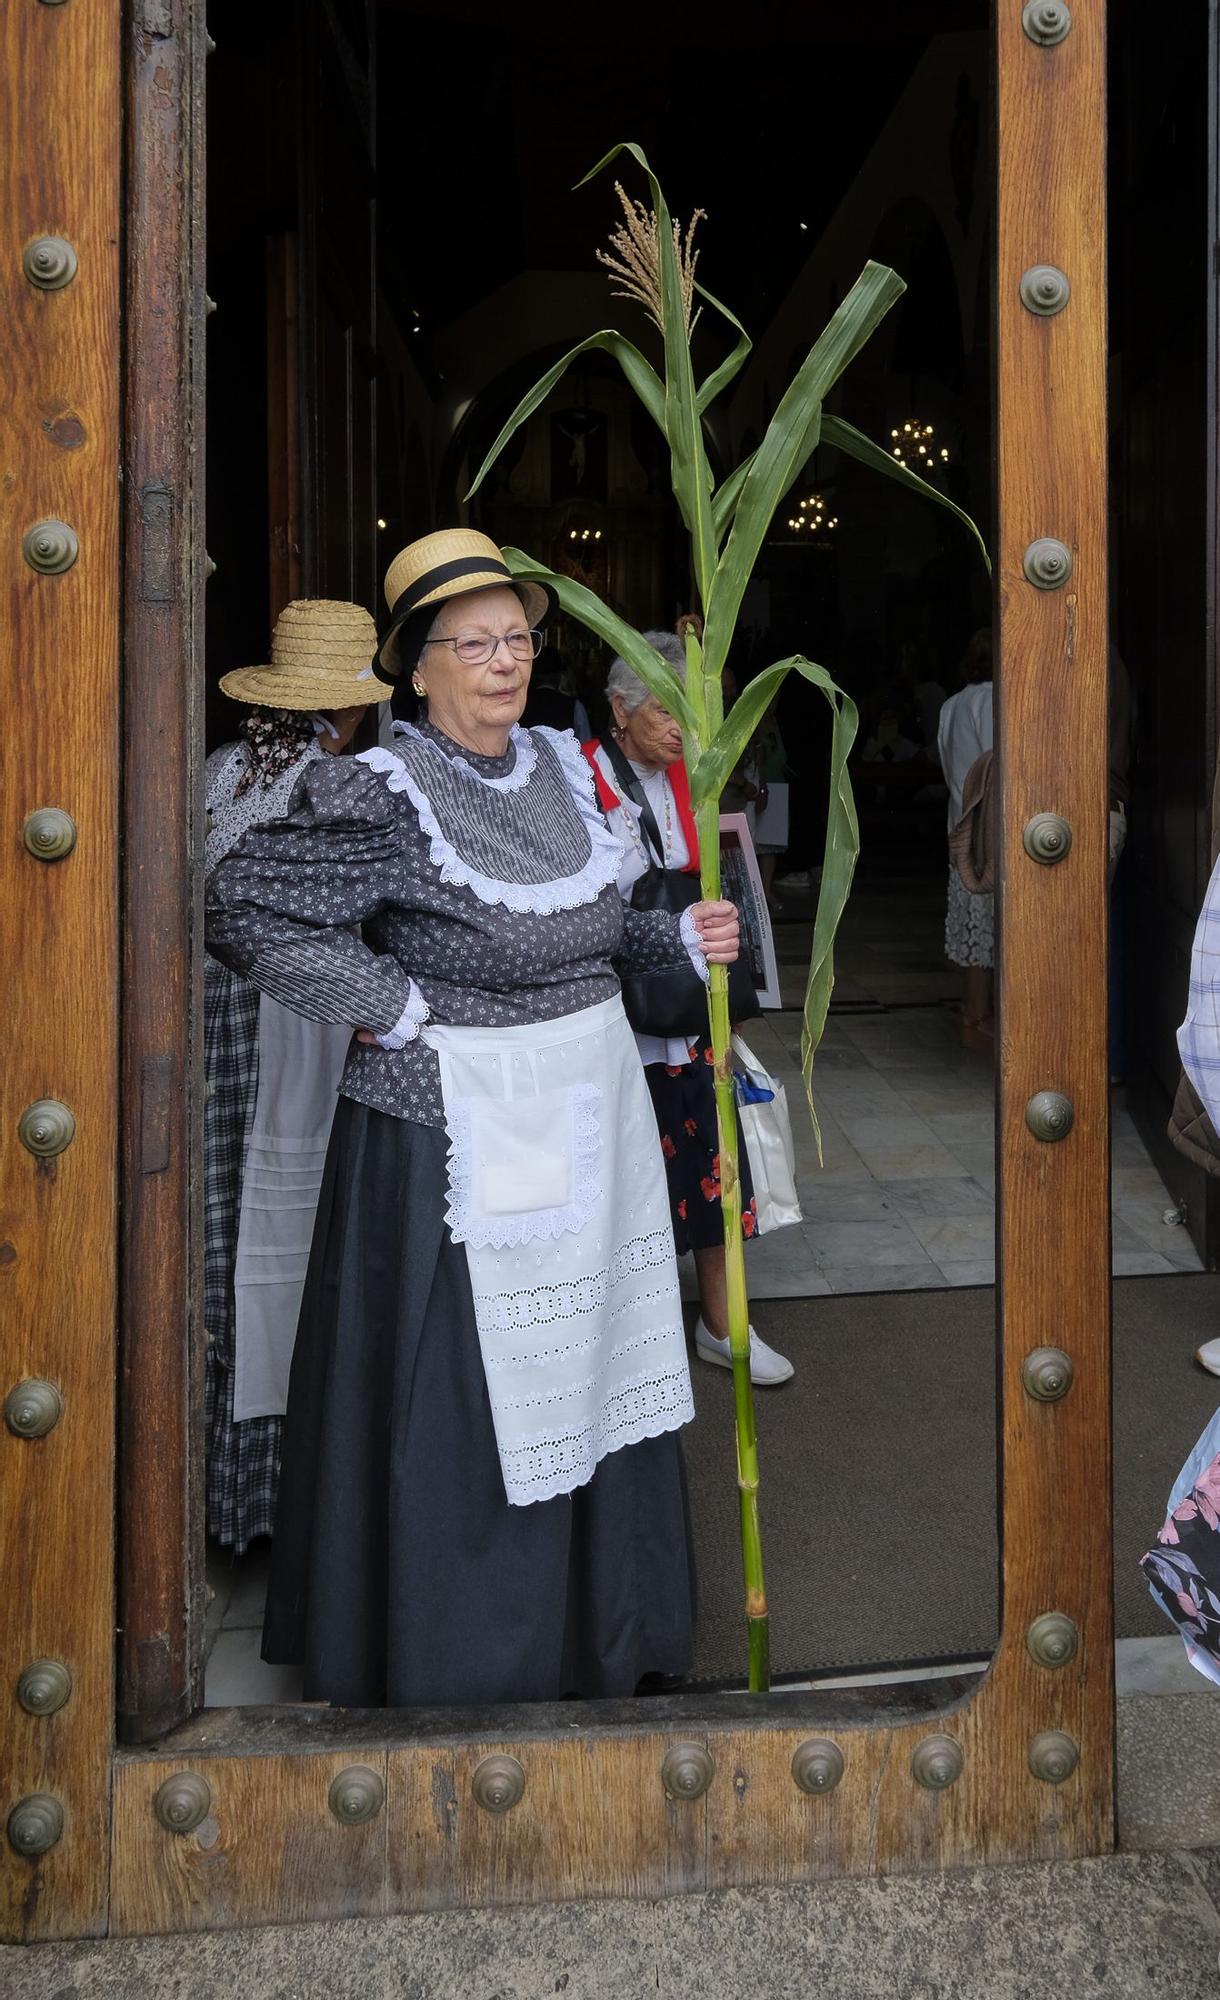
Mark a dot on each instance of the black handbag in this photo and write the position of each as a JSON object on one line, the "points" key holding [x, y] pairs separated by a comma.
{"points": [[671, 1000]]}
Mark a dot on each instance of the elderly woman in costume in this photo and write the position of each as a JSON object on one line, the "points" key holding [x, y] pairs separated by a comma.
{"points": [[642, 788], [272, 1077], [483, 1496]]}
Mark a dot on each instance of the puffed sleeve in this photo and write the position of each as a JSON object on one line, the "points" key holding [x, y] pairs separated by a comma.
{"points": [[655, 940], [280, 906]]}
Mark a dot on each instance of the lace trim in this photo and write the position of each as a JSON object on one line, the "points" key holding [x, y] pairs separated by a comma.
{"points": [[231, 819], [634, 1348], [645, 1407], [694, 944], [539, 1305], [512, 781], [535, 1225], [540, 899], [409, 1022]]}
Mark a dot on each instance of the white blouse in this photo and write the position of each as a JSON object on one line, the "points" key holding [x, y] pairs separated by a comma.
{"points": [[638, 858]]}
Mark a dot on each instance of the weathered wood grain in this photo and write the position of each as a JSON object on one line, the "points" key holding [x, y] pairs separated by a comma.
{"points": [[160, 1529], [1054, 1264], [61, 117], [270, 1851]]}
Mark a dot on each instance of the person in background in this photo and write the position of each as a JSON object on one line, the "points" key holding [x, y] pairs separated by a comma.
{"points": [[888, 743], [678, 1072], [272, 1077], [964, 733]]}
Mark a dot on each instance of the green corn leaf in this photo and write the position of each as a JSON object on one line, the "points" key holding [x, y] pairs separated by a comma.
{"points": [[726, 496], [582, 603], [641, 377], [707, 781], [838, 868], [790, 438], [847, 439], [691, 475], [733, 363]]}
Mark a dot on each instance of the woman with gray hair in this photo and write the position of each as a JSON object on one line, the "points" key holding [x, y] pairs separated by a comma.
{"points": [[643, 790]]}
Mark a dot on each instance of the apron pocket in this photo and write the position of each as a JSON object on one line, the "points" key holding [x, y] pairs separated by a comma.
{"points": [[523, 1169]]}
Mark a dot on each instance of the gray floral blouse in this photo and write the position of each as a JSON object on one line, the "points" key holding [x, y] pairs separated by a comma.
{"points": [[484, 888]]}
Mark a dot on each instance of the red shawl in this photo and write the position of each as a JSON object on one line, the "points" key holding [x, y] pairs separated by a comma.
{"points": [[609, 800]]}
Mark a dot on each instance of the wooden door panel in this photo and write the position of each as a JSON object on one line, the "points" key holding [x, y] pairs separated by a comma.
{"points": [[1164, 460], [594, 1816], [61, 107], [270, 1849]]}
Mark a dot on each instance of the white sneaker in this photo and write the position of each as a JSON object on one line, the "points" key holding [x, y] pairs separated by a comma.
{"points": [[767, 1368], [1208, 1356]]}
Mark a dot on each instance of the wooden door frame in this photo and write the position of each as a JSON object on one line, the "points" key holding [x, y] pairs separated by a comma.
{"points": [[269, 1837]]}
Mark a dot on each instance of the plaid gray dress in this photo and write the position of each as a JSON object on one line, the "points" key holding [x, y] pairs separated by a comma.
{"points": [[243, 1459]]}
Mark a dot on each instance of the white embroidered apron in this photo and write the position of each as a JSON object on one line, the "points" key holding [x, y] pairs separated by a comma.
{"points": [[300, 1063], [557, 1188]]}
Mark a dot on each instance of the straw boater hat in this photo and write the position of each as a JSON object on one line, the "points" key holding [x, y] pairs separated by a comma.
{"points": [[319, 659], [424, 574]]}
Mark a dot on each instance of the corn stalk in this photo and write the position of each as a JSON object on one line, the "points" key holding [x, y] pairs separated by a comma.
{"points": [[727, 526]]}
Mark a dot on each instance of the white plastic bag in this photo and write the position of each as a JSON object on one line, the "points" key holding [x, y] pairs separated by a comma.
{"points": [[762, 1105]]}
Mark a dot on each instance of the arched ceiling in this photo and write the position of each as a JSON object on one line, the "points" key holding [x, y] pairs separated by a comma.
{"points": [[487, 119]]}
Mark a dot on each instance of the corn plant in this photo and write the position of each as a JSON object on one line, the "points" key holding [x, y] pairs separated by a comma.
{"points": [[653, 262]]}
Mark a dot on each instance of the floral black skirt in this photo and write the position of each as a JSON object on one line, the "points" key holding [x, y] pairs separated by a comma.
{"points": [[1183, 1570], [684, 1100]]}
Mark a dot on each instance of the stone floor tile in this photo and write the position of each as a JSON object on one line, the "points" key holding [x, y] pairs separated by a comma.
{"points": [[885, 1240], [965, 1197], [1133, 1184], [980, 1163], [963, 1128], [1157, 1666], [1139, 1264], [922, 1277], [950, 1239], [858, 1093], [902, 1149], [837, 1062], [1172, 1242], [1123, 1236], [236, 1676], [245, 1606], [850, 1201], [969, 1271]]}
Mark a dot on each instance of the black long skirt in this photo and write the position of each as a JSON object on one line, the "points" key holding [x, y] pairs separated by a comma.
{"points": [[400, 1575]]}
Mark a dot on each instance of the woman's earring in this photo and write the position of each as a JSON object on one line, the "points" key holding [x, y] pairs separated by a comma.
{"points": [[418, 685]]}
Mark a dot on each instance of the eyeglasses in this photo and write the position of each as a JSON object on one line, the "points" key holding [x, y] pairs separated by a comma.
{"points": [[478, 650]]}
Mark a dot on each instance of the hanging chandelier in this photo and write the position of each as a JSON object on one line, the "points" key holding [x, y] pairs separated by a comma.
{"points": [[812, 521], [913, 445]]}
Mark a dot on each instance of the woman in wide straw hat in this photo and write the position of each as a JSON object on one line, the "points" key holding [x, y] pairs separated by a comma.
{"points": [[483, 1496], [272, 1076]]}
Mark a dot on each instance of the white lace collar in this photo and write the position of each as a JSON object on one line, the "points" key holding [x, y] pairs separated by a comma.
{"points": [[523, 764], [565, 892]]}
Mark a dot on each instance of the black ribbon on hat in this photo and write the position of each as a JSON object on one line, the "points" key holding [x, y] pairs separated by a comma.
{"points": [[431, 580], [449, 572]]}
